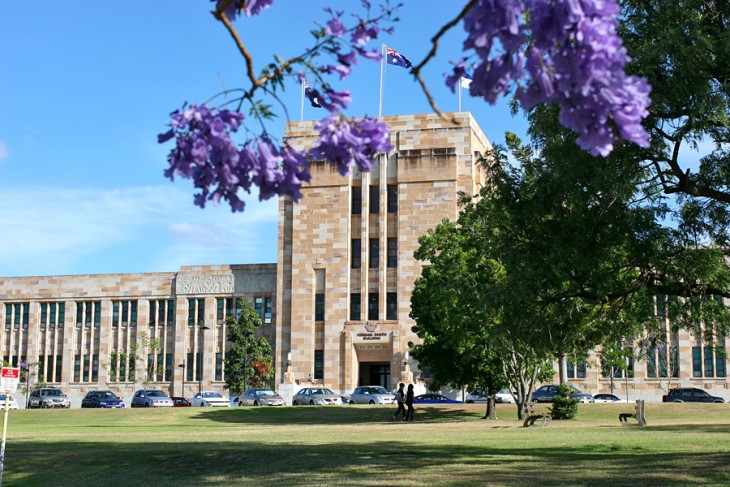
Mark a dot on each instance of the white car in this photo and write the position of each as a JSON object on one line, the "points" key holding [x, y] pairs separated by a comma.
{"points": [[12, 403], [479, 395], [209, 398], [606, 398], [504, 396]]}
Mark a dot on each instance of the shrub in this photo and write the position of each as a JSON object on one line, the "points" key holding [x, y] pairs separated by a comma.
{"points": [[564, 406]]}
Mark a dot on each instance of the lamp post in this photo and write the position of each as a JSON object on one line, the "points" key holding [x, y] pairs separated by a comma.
{"points": [[182, 366], [200, 357]]}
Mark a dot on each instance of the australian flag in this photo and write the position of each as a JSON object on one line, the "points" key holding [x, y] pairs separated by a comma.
{"points": [[394, 57], [311, 95]]}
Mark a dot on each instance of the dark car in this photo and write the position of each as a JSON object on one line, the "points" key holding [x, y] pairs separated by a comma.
{"points": [[432, 398], [547, 393], [101, 399], [48, 397], [690, 394]]}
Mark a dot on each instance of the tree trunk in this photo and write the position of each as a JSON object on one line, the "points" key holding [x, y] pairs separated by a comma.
{"points": [[562, 368], [491, 408]]}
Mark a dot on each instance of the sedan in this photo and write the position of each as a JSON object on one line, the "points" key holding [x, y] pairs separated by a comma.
{"points": [[316, 396], [101, 399], [547, 393], [209, 398], [371, 395], [606, 398], [151, 398], [12, 403], [260, 397], [434, 399], [504, 396]]}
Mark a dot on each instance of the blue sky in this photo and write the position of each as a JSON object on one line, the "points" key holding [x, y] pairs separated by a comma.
{"points": [[85, 87]]}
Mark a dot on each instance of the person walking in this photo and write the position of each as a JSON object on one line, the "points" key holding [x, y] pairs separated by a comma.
{"points": [[409, 403], [400, 398]]}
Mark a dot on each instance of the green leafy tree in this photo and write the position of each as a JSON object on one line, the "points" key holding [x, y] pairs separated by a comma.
{"points": [[149, 348], [249, 362]]}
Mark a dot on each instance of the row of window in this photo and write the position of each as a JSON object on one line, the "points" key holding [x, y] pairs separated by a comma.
{"points": [[124, 313], [708, 362], [391, 307], [374, 253], [374, 193]]}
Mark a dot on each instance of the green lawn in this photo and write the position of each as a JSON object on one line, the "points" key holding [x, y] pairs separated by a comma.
{"points": [[684, 444]]}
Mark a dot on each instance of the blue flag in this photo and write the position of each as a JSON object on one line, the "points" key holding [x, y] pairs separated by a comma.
{"points": [[311, 95], [395, 58]]}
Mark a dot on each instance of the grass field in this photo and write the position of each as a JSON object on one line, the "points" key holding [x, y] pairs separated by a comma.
{"points": [[684, 444]]}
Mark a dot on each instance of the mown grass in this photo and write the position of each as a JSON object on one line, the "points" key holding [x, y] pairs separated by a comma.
{"points": [[684, 444]]}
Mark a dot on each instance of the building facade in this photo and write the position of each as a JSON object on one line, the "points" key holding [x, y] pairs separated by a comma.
{"points": [[335, 306]]}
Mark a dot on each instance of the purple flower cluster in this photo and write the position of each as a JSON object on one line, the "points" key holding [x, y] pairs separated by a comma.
{"points": [[205, 153], [350, 143], [574, 58], [249, 7]]}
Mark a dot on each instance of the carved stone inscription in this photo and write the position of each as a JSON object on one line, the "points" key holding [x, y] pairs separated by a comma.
{"points": [[216, 284]]}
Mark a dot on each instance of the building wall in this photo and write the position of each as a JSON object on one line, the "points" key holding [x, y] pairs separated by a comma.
{"points": [[433, 160], [104, 315]]}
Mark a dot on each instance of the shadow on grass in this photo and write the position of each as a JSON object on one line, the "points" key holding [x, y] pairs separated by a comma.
{"points": [[362, 461], [329, 415]]}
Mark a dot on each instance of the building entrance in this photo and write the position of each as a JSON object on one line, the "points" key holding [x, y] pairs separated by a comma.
{"points": [[374, 374]]}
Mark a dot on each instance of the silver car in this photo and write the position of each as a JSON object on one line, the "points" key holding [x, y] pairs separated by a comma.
{"points": [[316, 396], [371, 395], [260, 397], [48, 397], [151, 398]]}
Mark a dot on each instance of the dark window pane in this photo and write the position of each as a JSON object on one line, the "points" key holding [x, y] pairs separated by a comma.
{"points": [[373, 305], [374, 199], [356, 201], [391, 310], [356, 253], [392, 199], [392, 252], [319, 307], [355, 310], [319, 364], [374, 253]]}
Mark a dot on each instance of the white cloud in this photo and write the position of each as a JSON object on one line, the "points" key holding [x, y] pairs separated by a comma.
{"points": [[4, 153], [157, 228]]}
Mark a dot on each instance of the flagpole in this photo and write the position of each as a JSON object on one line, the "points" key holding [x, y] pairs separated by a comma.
{"points": [[382, 75], [459, 94], [301, 117]]}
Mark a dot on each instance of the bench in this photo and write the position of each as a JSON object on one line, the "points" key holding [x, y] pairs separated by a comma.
{"points": [[638, 415], [532, 416]]}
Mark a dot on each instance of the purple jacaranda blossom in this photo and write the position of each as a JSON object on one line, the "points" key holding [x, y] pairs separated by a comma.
{"points": [[249, 7], [335, 27], [350, 143], [573, 57], [453, 79]]}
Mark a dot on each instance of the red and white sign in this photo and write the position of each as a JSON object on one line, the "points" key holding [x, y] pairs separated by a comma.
{"points": [[9, 379]]}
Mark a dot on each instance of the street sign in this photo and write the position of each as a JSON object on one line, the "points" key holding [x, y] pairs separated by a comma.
{"points": [[9, 379]]}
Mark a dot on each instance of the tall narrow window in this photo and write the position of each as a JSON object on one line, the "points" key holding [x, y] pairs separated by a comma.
{"points": [[356, 253], [170, 311], [153, 313], [373, 305], [356, 200], [258, 304], [355, 307], [196, 310], [374, 253], [319, 307], [391, 306], [319, 364], [696, 361], [267, 310], [392, 252], [219, 366], [374, 199], [392, 199]]}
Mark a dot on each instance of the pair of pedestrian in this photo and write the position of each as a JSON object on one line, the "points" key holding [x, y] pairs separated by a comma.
{"points": [[404, 399]]}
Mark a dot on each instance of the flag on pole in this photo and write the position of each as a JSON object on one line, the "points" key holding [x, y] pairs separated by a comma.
{"points": [[466, 80], [396, 59], [311, 95]]}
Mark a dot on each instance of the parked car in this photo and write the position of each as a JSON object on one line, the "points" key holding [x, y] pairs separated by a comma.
{"points": [[316, 396], [151, 398], [432, 398], [477, 395], [12, 403], [547, 393], [480, 395], [690, 394], [101, 399], [180, 402], [504, 396], [209, 398], [48, 397], [606, 398], [260, 397], [371, 395]]}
